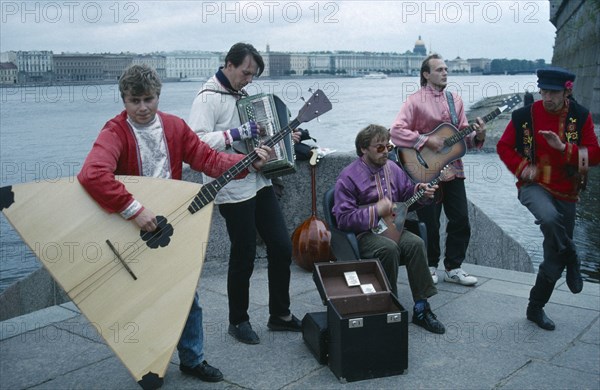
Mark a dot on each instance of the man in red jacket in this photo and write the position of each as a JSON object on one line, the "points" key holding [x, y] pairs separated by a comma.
{"points": [[142, 141], [542, 146]]}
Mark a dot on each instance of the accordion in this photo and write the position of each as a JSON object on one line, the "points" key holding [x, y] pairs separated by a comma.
{"points": [[273, 116]]}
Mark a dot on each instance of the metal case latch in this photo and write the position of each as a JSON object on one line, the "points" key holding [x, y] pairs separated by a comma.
{"points": [[394, 317], [355, 323]]}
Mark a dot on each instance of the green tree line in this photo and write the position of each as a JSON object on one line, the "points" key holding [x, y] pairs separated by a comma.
{"points": [[515, 66]]}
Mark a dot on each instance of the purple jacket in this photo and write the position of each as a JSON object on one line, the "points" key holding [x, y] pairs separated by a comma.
{"points": [[360, 186]]}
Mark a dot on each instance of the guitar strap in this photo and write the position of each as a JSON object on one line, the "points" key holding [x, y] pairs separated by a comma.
{"points": [[454, 118], [238, 146], [224, 81], [453, 115], [237, 94]]}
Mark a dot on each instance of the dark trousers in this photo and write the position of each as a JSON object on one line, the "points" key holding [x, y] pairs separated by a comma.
{"points": [[409, 251], [557, 222], [260, 214], [458, 231]]}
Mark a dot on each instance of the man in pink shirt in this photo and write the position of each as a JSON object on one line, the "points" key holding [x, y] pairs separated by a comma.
{"points": [[422, 112]]}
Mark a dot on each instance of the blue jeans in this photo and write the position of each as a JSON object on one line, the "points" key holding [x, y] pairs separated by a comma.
{"points": [[191, 343]]}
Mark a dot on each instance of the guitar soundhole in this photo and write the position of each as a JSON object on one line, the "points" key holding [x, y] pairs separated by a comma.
{"points": [[160, 237], [7, 197]]}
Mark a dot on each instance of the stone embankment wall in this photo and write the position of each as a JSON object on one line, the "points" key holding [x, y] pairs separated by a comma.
{"points": [[496, 127], [490, 246], [577, 47]]}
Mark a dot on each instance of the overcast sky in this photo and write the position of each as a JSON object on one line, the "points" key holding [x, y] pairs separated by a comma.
{"points": [[469, 29]]}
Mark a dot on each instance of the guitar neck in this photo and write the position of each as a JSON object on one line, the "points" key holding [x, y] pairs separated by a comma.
{"points": [[468, 130], [209, 191]]}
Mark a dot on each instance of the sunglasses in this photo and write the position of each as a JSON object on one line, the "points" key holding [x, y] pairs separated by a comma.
{"points": [[381, 147]]}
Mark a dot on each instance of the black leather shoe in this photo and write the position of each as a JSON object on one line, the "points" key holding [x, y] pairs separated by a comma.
{"points": [[574, 279], [243, 332], [537, 315], [277, 324], [204, 371], [426, 319]]}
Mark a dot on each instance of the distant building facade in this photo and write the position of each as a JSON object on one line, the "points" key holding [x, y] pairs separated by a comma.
{"points": [[184, 65], [356, 64], [319, 63], [46, 67], [458, 65], [156, 62], [113, 65], [8, 73], [280, 64], [480, 65], [78, 68], [298, 63], [35, 66], [348, 63]]}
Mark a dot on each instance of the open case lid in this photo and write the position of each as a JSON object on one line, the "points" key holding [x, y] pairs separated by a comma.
{"points": [[350, 278]]}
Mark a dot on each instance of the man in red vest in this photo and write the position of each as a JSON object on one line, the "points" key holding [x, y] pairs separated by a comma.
{"points": [[546, 145]]}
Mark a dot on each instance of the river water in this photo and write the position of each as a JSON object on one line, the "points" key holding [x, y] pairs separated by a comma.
{"points": [[46, 132]]}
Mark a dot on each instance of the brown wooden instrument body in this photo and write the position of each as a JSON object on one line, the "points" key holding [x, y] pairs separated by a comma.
{"points": [[311, 240], [395, 222], [425, 165], [311, 243]]}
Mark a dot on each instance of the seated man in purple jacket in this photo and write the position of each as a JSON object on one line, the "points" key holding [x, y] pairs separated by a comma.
{"points": [[364, 195]]}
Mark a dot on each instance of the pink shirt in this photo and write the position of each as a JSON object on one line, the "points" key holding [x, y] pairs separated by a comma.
{"points": [[422, 112]]}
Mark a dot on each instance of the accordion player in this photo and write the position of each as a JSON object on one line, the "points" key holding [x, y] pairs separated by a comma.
{"points": [[272, 115]]}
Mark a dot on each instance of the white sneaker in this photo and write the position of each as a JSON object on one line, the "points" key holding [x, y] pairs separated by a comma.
{"points": [[433, 274], [459, 276]]}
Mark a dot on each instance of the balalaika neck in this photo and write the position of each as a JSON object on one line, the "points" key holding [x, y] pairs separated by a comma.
{"points": [[209, 191], [468, 130], [419, 194]]}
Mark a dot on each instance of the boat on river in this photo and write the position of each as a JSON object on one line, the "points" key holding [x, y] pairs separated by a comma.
{"points": [[192, 79], [375, 75]]}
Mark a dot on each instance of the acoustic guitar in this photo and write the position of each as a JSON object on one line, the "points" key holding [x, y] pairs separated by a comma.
{"points": [[424, 165], [393, 225]]}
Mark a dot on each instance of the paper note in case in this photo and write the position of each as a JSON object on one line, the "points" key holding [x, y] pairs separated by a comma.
{"points": [[367, 288], [352, 278]]}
